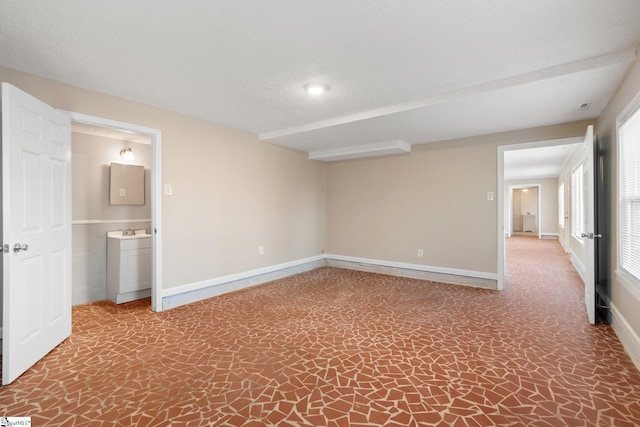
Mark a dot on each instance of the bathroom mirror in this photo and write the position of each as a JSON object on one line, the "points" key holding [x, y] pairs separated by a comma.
{"points": [[127, 184]]}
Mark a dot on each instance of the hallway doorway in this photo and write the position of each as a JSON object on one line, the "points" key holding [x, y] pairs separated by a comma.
{"points": [[525, 211], [154, 138]]}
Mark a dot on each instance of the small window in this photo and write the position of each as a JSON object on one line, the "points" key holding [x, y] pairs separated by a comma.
{"points": [[629, 194], [577, 203], [561, 205]]}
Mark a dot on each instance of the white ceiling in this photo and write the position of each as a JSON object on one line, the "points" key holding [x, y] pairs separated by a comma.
{"points": [[112, 133], [415, 71], [541, 162]]}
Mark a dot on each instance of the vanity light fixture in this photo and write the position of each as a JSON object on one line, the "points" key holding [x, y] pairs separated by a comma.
{"points": [[126, 153], [316, 88]]}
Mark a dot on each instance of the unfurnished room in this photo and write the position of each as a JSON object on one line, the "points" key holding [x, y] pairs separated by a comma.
{"points": [[320, 213]]}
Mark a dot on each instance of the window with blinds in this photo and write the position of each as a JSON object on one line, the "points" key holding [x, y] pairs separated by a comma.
{"points": [[629, 194]]}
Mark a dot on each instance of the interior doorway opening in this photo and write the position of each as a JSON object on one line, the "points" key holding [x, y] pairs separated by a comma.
{"points": [[133, 134], [525, 210], [521, 157]]}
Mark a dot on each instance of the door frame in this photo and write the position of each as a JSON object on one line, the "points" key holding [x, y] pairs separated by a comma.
{"points": [[156, 192], [510, 189], [501, 189]]}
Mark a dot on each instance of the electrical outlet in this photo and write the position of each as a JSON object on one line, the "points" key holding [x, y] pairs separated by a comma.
{"points": [[260, 250], [420, 253]]}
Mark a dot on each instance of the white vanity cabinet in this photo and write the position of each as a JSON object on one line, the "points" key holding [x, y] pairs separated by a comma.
{"points": [[128, 266]]}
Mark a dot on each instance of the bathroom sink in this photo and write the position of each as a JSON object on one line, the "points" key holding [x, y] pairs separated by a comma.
{"points": [[119, 234]]}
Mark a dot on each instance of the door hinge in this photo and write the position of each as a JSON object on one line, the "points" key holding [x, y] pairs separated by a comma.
{"points": [[5, 249]]}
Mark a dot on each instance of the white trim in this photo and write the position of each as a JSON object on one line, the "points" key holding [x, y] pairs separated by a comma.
{"points": [[132, 296], [190, 287], [500, 208], [545, 235], [192, 292], [564, 245], [417, 267], [156, 192], [357, 151], [196, 291], [107, 221], [578, 265], [627, 336]]}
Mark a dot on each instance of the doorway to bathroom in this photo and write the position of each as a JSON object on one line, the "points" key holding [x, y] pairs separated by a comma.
{"points": [[525, 211], [98, 145]]}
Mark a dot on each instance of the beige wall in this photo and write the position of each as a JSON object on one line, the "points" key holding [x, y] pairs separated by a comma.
{"points": [[626, 301], [231, 192], [91, 157], [433, 199]]}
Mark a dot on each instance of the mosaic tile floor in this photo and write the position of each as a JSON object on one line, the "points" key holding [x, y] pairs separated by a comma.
{"points": [[342, 348]]}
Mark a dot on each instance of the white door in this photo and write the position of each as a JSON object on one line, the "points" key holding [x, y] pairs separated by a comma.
{"points": [[36, 225], [589, 227]]}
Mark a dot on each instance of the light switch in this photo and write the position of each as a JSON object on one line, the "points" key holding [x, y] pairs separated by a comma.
{"points": [[123, 192], [168, 190], [490, 195]]}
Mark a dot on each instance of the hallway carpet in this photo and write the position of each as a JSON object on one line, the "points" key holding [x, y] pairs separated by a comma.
{"points": [[338, 348]]}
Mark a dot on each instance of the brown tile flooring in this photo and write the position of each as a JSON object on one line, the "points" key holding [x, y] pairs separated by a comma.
{"points": [[336, 347]]}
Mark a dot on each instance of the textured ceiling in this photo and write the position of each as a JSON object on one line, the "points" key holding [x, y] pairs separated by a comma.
{"points": [[416, 71]]}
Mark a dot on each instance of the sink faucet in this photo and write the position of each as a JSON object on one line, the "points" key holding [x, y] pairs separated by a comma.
{"points": [[128, 232]]}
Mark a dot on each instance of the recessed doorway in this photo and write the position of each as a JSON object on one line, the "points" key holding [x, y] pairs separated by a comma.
{"points": [[138, 135], [525, 211]]}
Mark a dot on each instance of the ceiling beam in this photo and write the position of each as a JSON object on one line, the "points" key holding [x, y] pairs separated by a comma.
{"points": [[588, 64]]}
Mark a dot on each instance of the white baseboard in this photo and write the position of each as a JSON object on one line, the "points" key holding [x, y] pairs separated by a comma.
{"points": [[192, 292], [544, 235], [628, 337], [416, 271], [578, 265], [564, 245]]}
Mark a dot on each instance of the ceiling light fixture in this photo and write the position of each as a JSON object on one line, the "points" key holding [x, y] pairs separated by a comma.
{"points": [[126, 153], [316, 88]]}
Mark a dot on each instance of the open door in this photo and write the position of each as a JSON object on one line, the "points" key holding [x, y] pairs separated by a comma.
{"points": [[36, 230], [589, 227]]}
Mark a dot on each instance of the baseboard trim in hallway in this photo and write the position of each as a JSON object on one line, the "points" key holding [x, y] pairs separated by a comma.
{"points": [[629, 339]]}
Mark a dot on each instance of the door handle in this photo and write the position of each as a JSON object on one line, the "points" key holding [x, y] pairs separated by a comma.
{"points": [[590, 236], [18, 247]]}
